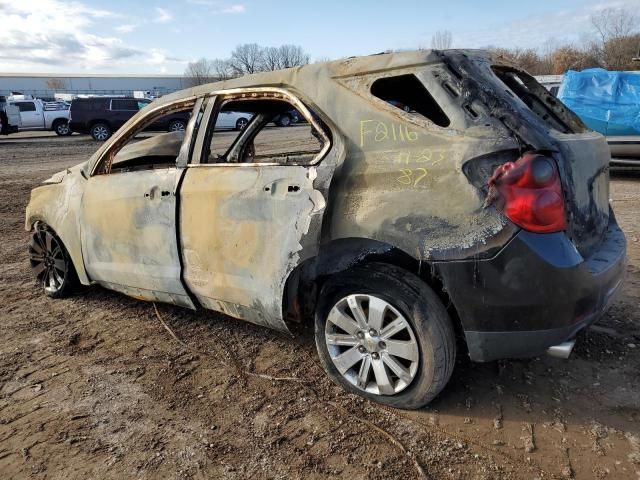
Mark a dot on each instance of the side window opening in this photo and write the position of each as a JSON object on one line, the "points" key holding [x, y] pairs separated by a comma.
{"points": [[124, 104], [26, 106], [408, 93], [527, 89], [154, 144], [262, 131]]}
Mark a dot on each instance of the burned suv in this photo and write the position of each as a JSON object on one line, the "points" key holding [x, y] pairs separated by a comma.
{"points": [[431, 203]]}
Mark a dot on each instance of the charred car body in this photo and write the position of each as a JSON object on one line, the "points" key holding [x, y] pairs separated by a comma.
{"points": [[479, 210]]}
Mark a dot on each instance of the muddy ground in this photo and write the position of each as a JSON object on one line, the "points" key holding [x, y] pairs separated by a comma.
{"points": [[94, 386]]}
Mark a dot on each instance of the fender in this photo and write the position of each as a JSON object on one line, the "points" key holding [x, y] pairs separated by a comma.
{"points": [[58, 205]]}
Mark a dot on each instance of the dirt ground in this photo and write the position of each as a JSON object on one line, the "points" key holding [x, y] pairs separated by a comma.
{"points": [[94, 386]]}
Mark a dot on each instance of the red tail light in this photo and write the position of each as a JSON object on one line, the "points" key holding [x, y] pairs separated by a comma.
{"points": [[529, 193]]}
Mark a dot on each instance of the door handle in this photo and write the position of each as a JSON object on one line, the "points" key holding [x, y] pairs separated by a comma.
{"points": [[152, 193]]}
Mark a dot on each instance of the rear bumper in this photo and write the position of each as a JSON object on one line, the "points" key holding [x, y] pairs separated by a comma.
{"points": [[622, 147], [536, 293]]}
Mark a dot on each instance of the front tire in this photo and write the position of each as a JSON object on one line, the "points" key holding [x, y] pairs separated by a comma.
{"points": [[284, 120], [241, 123], [382, 333], [50, 263], [100, 132]]}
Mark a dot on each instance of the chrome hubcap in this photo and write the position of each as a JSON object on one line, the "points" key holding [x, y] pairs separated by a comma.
{"points": [[100, 133], [63, 128], [372, 344], [47, 260], [177, 127]]}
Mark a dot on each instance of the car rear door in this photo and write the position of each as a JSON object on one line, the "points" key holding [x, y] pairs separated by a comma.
{"points": [[122, 109], [244, 227]]}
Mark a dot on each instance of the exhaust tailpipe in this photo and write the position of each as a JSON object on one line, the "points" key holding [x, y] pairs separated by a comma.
{"points": [[562, 350]]}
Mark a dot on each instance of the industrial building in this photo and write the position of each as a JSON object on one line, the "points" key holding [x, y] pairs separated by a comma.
{"points": [[45, 85]]}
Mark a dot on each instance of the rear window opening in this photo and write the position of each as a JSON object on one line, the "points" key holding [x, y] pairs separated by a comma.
{"points": [[527, 89], [408, 93]]}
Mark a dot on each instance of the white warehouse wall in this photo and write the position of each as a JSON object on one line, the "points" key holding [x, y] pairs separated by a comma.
{"points": [[39, 84]]}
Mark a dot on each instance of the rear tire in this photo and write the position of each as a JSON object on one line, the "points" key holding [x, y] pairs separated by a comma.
{"points": [[100, 132], [50, 263], [406, 369], [177, 126], [61, 128]]}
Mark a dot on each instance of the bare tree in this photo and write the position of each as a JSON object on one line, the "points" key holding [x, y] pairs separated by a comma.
{"points": [[199, 72], [292, 56], [612, 23], [284, 56], [572, 58], [271, 59], [247, 58], [613, 27], [222, 69], [441, 40]]}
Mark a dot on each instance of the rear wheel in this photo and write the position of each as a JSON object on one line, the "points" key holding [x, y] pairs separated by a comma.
{"points": [[61, 128], [100, 132], [50, 263], [177, 126], [382, 333]]}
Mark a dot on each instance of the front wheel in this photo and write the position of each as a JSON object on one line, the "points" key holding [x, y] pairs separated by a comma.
{"points": [[50, 263], [382, 333], [284, 120], [241, 123]]}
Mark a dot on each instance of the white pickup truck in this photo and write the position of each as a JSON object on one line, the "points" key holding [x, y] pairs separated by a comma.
{"points": [[35, 116]]}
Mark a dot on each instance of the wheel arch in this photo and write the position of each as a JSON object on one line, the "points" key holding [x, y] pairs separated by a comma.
{"points": [[95, 121], [45, 207], [58, 120], [304, 283]]}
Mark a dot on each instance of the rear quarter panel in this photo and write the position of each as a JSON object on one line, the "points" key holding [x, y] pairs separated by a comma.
{"points": [[402, 181]]}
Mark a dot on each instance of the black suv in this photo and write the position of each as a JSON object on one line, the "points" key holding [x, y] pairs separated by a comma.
{"points": [[101, 116]]}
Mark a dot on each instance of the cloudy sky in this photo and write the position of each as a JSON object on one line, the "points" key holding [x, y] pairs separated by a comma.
{"points": [[127, 36]]}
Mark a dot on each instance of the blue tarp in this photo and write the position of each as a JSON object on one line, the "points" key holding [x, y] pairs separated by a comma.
{"points": [[608, 102]]}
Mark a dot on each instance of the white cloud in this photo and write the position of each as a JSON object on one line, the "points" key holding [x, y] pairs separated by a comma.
{"points": [[219, 7], [59, 35], [164, 16], [126, 28], [560, 25], [234, 9]]}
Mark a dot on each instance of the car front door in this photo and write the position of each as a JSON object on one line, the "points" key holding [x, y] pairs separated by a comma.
{"points": [[245, 226], [29, 115], [128, 233]]}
